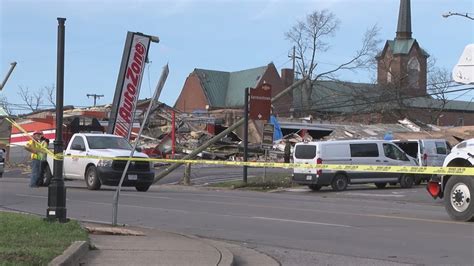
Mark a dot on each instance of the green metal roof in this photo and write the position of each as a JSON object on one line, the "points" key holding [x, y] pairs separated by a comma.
{"points": [[227, 89], [214, 84], [331, 96], [239, 81], [347, 97], [428, 102], [403, 46]]}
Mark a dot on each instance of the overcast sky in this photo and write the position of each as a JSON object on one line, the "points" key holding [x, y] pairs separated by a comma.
{"points": [[220, 35]]}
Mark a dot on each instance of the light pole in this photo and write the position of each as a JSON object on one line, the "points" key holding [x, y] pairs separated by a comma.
{"points": [[466, 15], [57, 191]]}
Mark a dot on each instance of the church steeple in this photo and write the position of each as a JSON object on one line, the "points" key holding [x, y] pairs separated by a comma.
{"points": [[404, 20]]}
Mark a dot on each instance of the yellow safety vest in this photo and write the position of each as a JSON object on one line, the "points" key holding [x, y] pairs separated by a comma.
{"points": [[38, 147]]}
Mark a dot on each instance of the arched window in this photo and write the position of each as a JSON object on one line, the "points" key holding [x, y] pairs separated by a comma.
{"points": [[389, 75], [413, 72]]}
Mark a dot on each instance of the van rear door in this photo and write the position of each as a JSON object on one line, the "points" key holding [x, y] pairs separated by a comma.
{"points": [[434, 151], [305, 153], [412, 148]]}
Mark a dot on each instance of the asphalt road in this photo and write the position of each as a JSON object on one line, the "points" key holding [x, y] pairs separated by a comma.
{"points": [[360, 226], [204, 175]]}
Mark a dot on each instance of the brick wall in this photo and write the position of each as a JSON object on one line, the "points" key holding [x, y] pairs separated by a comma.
{"points": [[192, 95]]}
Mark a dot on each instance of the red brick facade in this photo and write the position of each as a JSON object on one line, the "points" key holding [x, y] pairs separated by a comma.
{"points": [[192, 95], [395, 69]]}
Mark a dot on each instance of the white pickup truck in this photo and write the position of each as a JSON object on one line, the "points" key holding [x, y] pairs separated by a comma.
{"points": [[456, 190], [97, 172]]}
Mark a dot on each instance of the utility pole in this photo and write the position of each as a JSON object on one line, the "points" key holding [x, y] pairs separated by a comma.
{"points": [[246, 132], [12, 66], [95, 97], [293, 58]]}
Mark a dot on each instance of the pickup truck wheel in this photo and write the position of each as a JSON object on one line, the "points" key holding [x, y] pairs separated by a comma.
{"points": [[315, 187], [458, 198], [339, 182], [92, 180], [418, 180], [407, 181], [380, 185], [142, 188]]}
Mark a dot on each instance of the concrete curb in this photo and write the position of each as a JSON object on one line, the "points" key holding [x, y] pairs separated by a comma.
{"points": [[72, 254], [245, 255], [227, 258]]}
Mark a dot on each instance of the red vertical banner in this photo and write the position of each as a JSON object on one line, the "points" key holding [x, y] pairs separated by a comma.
{"points": [[260, 102]]}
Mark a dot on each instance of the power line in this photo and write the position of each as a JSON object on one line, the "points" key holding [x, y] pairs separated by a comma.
{"points": [[362, 90], [335, 105]]}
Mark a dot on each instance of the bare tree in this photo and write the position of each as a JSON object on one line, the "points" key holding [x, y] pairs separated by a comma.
{"points": [[439, 84], [311, 38], [50, 93], [32, 99]]}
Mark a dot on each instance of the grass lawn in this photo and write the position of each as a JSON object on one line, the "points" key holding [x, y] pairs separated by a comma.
{"points": [[29, 240], [271, 182]]}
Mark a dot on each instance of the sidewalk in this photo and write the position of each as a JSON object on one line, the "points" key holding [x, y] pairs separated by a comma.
{"points": [[155, 247]]}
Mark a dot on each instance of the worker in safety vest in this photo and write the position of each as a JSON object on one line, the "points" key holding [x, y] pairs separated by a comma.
{"points": [[37, 149]]}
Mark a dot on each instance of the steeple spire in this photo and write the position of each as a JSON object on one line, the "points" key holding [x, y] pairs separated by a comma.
{"points": [[404, 20]]}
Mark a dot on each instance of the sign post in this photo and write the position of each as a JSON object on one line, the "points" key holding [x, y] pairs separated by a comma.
{"points": [[153, 100], [246, 132], [267, 142]]}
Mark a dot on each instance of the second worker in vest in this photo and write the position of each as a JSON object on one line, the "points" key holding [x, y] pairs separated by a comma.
{"points": [[37, 148]]}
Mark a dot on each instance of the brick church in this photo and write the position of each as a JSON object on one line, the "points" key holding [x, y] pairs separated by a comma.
{"points": [[402, 89]]}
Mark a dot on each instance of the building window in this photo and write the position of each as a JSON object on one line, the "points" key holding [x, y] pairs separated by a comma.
{"points": [[389, 75], [413, 72]]}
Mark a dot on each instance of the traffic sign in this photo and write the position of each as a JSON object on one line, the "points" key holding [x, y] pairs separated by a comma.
{"points": [[267, 138]]}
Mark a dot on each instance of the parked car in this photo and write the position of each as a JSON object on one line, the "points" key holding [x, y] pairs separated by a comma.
{"points": [[456, 190], [427, 152], [97, 172], [350, 152]]}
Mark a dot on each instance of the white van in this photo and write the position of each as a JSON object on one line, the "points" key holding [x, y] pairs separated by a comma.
{"points": [[427, 152], [349, 152]]}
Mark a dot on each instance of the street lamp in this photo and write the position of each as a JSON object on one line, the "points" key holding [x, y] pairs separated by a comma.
{"points": [[448, 14], [57, 191]]}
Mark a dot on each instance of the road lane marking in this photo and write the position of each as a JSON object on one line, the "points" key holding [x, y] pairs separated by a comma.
{"points": [[32, 196], [299, 221], [416, 219], [266, 206], [316, 210], [373, 195]]}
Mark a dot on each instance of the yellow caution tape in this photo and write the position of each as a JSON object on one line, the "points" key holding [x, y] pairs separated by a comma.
{"points": [[334, 167], [432, 170], [45, 150]]}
